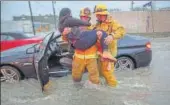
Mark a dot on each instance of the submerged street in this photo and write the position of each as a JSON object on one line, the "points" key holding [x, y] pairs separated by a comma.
{"points": [[143, 86]]}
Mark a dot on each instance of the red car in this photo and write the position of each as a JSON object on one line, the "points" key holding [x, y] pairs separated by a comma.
{"points": [[11, 40]]}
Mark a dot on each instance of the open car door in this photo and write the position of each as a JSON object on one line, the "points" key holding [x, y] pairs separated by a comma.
{"points": [[41, 61]]}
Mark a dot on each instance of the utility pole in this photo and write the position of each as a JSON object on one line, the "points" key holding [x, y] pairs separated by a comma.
{"points": [[54, 14], [32, 20], [132, 3], [152, 15]]}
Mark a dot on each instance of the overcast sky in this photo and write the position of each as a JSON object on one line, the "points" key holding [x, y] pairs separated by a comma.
{"points": [[17, 8]]}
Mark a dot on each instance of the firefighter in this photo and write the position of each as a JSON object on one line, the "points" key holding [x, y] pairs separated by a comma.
{"points": [[115, 31], [85, 59]]}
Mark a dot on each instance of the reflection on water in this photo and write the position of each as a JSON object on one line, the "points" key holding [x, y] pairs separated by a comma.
{"points": [[28, 91]]}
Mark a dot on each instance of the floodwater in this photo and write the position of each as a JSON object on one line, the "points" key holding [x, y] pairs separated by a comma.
{"points": [[144, 86]]}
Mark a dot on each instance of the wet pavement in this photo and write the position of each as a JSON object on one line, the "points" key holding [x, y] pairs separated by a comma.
{"points": [[143, 86]]}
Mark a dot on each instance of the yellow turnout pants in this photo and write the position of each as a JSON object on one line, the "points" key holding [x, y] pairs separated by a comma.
{"points": [[107, 73], [78, 68]]}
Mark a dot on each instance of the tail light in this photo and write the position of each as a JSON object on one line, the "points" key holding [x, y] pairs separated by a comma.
{"points": [[148, 45]]}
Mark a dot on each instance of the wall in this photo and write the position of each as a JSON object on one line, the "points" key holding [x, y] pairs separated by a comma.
{"points": [[142, 21]]}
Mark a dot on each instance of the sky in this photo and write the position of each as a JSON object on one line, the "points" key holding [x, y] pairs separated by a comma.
{"points": [[17, 8]]}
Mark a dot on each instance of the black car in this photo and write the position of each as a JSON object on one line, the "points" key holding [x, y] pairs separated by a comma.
{"points": [[133, 52]]}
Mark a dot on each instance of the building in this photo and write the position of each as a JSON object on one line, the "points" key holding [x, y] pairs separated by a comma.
{"points": [[13, 26], [41, 18], [42, 23]]}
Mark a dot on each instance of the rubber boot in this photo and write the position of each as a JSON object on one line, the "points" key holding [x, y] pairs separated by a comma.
{"points": [[48, 88]]}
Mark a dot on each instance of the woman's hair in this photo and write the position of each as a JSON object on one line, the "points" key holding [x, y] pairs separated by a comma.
{"points": [[66, 20], [64, 12]]}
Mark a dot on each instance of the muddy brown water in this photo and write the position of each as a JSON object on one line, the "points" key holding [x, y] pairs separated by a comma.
{"points": [[143, 86]]}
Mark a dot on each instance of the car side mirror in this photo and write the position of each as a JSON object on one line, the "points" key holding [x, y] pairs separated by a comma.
{"points": [[31, 50]]}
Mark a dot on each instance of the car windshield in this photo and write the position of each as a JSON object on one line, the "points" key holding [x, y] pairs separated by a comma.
{"points": [[45, 41], [42, 47], [29, 35]]}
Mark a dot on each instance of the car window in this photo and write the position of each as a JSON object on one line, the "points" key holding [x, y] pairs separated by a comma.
{"points": [[43, 46], [29, 35], [10, 38], [6, 37]]}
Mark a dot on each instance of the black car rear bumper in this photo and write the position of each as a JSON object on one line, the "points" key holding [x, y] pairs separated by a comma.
{"points": [[143, 59]]}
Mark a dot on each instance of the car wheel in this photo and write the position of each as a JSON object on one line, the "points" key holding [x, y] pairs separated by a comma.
{"points": [[9, 74], [124, 63]]}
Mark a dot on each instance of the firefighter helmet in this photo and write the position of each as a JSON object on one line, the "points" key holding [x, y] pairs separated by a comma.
{"points": [[85, 12], [101, 9]]}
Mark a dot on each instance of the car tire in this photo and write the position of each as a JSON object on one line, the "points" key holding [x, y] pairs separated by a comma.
{"points": [[10, 74], [124, 63]]}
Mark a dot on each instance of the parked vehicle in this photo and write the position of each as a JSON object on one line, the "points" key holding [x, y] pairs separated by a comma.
{"points": [[50, 54], [11, 40], [133, 52]]}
